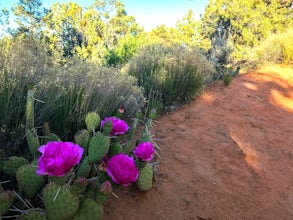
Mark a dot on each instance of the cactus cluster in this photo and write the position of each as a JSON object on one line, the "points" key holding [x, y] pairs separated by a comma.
{"points": [[81, 193]]}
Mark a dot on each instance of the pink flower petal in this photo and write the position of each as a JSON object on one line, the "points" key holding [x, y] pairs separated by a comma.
{"points": [[58, 158], [144, 151], [122, 169]]}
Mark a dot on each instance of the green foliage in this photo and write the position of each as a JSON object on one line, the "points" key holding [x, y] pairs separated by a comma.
{"points": [[176, 74], [248, 22], [96, 34], [63, 95], [277, 48], [23, 62], [123, 51], [90, 89], [29, 14]]}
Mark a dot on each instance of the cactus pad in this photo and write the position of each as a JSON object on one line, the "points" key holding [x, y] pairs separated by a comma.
{"points": [[29, 114], [115, 149], [89, 209], [6, 200], [98, 148], [33, 215], [92, 121], [11, 166], [82, 139], [145, 178], [59, 202], [85, 168], [32, 141], [28, 181]]}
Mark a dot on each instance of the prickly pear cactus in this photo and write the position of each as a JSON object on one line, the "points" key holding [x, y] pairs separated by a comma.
{"points": [[11, 166], [82, 139], [28, 181], [6, 200], [115, 148], [98, 148], [85, 168], [89, 209], [107, 128], [59, 202], [30, 120], [145, 178], [92, 121], [79, 185], [32, 141], [48, 135], [33, 214]]}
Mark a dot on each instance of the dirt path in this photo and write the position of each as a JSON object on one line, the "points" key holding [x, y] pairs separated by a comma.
{"points": [[228, 155]]}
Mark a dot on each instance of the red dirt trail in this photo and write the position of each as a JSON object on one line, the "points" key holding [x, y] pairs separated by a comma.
{"points": [[227, 155]]}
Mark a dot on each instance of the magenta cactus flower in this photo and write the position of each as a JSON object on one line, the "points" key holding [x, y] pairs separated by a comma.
{"points": [[118, 125], [58, 158], [144, 151], [122, 169]]}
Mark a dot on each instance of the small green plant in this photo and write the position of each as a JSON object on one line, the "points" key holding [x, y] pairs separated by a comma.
{"points": [[227, 79]]}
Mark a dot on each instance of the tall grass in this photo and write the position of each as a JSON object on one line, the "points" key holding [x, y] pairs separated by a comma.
{"points": [[77, 89], [63, 94], [173, 75]]}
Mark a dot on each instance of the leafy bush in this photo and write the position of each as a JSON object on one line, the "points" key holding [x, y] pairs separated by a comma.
{"points": [[65, 94], [174, 74], [123, 51], [278, 48]]}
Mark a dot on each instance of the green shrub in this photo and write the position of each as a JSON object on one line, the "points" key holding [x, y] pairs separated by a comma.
{"points": [[278, 48], [175, 74], [64, 94], [73, 91]]}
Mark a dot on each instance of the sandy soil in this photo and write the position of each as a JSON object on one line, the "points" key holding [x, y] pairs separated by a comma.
{"points": [[228, 155]]}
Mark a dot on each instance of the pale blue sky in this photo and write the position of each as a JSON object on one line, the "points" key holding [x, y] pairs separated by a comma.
{"points": [[148, 13]]}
